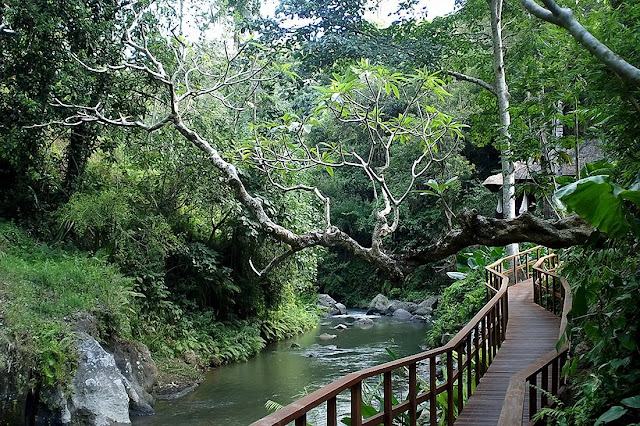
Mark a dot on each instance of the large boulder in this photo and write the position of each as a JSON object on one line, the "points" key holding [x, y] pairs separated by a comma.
{"points": [[378, 305], [342, 310], [423, 311], [324, 300], [330, 306], [363, 323], [431, 303], [394, 305], [136, 365], [419, 318], [98, 390], [402, 314]]}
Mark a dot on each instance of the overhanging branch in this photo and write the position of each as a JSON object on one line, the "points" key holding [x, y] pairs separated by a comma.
{"points": [[563, 17], [480, 230], [474, 80]]}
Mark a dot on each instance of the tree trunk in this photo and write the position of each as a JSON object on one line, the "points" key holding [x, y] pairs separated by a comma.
{"points": [[502, 94], [77, 153]]}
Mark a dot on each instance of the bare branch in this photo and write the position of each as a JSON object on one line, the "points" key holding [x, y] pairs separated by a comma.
{"points": [[474, 80], [273, 263]]}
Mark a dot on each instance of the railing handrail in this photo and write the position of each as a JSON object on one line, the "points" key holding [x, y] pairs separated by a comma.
{"points": [[513, 406], [302, 406]]}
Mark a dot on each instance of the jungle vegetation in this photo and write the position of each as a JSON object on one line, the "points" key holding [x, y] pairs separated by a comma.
{"points": [[215, 183]]}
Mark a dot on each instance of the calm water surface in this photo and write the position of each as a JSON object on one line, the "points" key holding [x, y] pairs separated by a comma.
{"points": [[235, 394]]}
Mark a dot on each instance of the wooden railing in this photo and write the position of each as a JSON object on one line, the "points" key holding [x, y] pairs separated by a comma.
{"points": [[543, 378], [466, 358]]}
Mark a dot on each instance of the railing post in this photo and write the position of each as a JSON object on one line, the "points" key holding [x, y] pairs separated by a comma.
{"points": [[469, 372], [554, 376], [544, 384], [302, 420], [432, 391], [553, 294], [476, 343], [356, 404], [413, 406], [388, 399], [533, 397], [460, 376], [332, 412], [450, 387], [483, 335]]}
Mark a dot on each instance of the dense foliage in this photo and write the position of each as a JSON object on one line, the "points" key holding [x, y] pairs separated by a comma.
{"points": [[146, 219], [604, 329], [43, 290]]}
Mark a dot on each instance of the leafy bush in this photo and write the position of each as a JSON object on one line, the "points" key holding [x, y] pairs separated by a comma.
{"points": [[459, 303], [604, 327]]}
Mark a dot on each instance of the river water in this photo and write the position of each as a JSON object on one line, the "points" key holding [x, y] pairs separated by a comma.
{"points": [[235, 394]]}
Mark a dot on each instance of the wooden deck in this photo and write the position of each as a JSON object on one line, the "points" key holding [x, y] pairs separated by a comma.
{"points": [[531, 333]]}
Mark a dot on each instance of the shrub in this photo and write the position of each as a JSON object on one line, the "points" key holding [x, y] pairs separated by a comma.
{"points": [[459, 303]]}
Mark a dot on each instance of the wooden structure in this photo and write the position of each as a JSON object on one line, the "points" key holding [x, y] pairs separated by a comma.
{"points": [[523, 397], [470, 355]]}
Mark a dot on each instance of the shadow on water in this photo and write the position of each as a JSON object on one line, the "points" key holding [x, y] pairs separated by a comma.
{"points": [[235, 394]]}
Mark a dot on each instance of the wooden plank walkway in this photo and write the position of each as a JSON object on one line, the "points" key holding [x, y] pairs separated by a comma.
{"points": [[531, 333]]}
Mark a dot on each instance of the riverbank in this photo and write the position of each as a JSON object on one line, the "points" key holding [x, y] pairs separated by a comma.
{"points": [[64, 313]]}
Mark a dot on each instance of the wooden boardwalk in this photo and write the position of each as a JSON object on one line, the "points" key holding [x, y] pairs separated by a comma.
{"points": [[531, 333]]}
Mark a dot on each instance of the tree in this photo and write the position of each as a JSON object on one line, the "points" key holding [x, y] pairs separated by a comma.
{"points": [[354, 97]]}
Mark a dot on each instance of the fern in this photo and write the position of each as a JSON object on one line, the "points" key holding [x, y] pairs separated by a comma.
{"points": [[272, 406], [556, 413]]}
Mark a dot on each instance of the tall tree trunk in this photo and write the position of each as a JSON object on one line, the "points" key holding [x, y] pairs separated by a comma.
{"points": [[77, 153], [502, 94]]}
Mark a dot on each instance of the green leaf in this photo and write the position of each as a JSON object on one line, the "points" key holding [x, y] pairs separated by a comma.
{"points": [[596, 201], [633, 402], [592, 331], [457, 275], [614, 413], [626, 340], [631, 195], [368, 411], [395, 91]]}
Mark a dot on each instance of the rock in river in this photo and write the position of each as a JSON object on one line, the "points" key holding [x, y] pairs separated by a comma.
{"points": [[378, 305], [363, 323], [327, 336], [402, 314]]}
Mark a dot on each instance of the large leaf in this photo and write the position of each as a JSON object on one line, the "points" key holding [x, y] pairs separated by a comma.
{"points": [[598, 202], [457, 275], [614, 413], [633, 402]]}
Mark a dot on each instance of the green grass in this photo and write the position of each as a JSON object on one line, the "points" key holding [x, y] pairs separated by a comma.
{"points": [[42, 290]]}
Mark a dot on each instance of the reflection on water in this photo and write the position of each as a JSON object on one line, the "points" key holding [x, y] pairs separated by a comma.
{"points": [[235, 394]]}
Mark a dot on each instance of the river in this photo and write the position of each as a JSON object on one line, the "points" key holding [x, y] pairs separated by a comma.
{"points": [[235, 394]]}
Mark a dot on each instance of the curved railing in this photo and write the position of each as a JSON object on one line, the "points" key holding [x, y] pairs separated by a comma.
{"points": [[466, 358], [544, 377]]}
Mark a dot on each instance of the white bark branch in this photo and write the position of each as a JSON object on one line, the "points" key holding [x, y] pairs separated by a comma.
{"points": [[474, 80], [563, 17]]}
